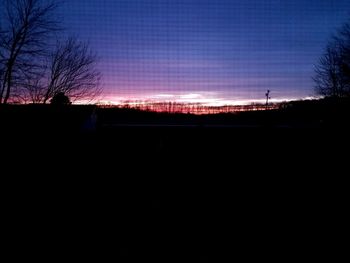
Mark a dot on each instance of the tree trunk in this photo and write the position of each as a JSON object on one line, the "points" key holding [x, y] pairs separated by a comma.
{"points": [[3, 87], [46, 97], [1, 94], [8, 82], [7, 95]]}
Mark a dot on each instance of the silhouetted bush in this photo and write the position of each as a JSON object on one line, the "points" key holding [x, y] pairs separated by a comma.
{"points": [[60, 99]]}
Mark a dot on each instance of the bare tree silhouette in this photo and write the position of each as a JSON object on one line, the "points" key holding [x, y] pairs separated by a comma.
{"points": [[328, 79], [332, 73], [27, 25], [72, 71]]}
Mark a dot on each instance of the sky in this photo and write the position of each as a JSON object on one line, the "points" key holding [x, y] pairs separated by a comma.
{"points": [[214, 52]]}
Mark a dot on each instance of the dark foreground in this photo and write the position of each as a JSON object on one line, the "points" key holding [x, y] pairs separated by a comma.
{"points": [[171, 188]]}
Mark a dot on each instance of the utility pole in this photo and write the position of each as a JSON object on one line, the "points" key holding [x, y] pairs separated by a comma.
{"points": [[267, 98]]}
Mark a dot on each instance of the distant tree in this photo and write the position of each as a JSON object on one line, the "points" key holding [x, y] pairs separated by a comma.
{"points": [[60, 99], [332, 73], [34, 88], [26, 29], [72, 71]]}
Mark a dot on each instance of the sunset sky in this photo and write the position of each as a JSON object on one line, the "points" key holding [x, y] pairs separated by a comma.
{"points": [[210, 51]]}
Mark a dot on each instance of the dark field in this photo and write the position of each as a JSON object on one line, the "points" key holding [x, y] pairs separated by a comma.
{"points": [[178, 188]]}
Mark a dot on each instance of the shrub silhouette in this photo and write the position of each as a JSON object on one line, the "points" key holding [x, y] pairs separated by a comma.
{"points": [[60, 99]]}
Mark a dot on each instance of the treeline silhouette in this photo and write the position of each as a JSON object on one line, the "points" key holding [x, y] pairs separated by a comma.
{"points": [[309, 113], [192, 108]]}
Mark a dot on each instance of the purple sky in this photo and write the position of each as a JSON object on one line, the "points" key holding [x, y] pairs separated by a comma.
{"points": [[210, 51]]}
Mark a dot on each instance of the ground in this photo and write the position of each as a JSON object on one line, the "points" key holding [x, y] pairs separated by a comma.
{"points": [[170, 188]]}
